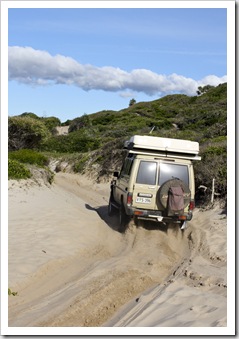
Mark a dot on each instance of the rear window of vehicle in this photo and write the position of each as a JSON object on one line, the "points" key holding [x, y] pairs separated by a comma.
{"points": [[147, 173], [172, 171]]}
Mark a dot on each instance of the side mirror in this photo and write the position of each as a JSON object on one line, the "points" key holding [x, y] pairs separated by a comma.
{"points": [[116, 174]]}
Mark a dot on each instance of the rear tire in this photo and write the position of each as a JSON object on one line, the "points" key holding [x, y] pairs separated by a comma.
{"points": [[122, 219], [136, 221]]}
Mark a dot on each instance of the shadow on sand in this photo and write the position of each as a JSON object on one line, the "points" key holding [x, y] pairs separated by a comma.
{"points": [[102, 211]]}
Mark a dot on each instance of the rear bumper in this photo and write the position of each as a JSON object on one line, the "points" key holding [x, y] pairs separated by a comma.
{"points": [[157, 216]]}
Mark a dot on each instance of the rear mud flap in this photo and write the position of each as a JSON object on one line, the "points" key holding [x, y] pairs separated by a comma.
{"points": [[184, 225]]}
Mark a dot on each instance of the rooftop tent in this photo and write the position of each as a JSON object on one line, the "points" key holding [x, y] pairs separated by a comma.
{"points": [[164, 147]]}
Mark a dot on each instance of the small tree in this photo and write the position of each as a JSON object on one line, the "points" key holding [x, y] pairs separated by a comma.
{"points": [[132, 102], [202, 90]]}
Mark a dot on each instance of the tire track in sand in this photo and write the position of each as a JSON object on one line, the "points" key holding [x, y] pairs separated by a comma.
{"points": [[87, 288]]}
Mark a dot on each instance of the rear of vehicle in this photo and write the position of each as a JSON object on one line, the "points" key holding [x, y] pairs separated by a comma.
{"points": [[156, 181], [153, 182]]}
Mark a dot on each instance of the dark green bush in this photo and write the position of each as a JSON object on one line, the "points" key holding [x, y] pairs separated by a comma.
{"points": [[16, 170], [51, 123], [206, 171], [70, 143], [79, 123], [213, 165], [66, 123], [216, 130], [162, 124], [214, 150], [29, 156], [104, 119], [26, 132], [29, 114]]}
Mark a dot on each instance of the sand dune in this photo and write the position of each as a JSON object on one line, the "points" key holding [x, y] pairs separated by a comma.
{"points": [[72, 268]]}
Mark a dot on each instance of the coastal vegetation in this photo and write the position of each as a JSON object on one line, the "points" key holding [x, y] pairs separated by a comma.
{"points": [[94, 142]]}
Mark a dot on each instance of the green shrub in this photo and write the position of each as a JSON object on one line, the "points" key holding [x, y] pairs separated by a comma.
{"points": [[16, 170], [104, 119], [206, 171], [51, 123], [80, 164], [29, 114], [26, 132], [216, 130], [70, 143], [29, 156], [212, 165], [214, 150], [79, 123]]}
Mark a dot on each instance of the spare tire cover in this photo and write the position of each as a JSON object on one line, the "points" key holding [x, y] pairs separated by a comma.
{"points": [[162, 195]]}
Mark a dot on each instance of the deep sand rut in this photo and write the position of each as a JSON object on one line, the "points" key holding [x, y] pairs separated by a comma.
{"points": [[88, 286]]}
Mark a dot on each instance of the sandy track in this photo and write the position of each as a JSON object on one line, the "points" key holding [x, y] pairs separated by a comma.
{"points": [[82, 272]]}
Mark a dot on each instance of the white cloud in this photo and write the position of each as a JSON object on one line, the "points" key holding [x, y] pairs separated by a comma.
{"points": [[211, 80], [36, 67]]}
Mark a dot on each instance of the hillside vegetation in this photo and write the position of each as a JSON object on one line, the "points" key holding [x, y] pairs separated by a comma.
{"points": [[94, 142]]}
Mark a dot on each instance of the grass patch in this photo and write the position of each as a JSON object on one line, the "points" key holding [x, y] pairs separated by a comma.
{"points": [[16, 170], [29, 156], [79, 165]]}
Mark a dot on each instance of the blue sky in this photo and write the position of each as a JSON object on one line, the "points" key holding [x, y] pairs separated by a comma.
{"points": [[66, 62]]}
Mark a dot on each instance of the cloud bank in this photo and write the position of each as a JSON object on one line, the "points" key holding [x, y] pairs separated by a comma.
{"points": [[36, 67]]}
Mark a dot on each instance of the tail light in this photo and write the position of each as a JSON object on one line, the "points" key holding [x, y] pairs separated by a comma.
{"points": [[129, 199], [182, 217], [138, 212], [191, 205]]}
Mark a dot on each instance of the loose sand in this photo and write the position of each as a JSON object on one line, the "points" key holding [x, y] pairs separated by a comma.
{"points": [[71, 267]]}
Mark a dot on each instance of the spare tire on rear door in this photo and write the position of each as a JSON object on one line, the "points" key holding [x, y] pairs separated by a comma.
{"points": [[170, 187]]}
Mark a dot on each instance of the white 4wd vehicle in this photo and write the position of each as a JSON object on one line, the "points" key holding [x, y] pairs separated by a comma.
{"points": [[156, 181]]}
